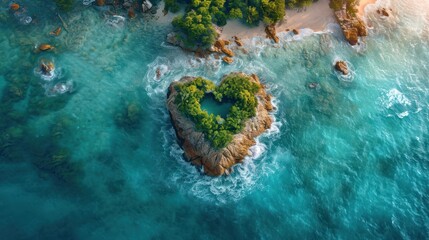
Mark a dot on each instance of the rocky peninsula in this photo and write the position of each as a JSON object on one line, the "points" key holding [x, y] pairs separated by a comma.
{"points": [[198, 144]]}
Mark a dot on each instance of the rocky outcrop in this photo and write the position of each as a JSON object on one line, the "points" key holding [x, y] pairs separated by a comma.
{"points": [[228, 60], [353, 26], [198, 150], [270, 30], [342, 67], [238, 41], [295, 31]]}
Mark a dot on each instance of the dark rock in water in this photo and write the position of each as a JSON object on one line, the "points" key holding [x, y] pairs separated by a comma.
{"points": [[295, 31], [47, 68], [199, 151], [270, 30], [341, 66]]}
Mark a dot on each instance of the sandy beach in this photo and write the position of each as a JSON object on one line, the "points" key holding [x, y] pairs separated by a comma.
{"points": [[315, 17]]}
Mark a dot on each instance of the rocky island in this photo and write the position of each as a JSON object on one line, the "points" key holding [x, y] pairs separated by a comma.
{"points": [[209, 141]]}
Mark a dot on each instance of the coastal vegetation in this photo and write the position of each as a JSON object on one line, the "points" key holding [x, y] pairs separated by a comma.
{"points": [[196, 25], [237, 89]]}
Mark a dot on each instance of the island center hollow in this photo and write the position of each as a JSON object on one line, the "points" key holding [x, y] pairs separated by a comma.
{"points": [[216, 125], [209, 104]]}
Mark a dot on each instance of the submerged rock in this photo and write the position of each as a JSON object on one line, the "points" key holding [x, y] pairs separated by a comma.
{"points": [[199, 151], [342, 67]]}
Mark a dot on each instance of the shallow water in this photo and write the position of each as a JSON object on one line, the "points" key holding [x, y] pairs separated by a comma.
{"points": [[348, 159]]}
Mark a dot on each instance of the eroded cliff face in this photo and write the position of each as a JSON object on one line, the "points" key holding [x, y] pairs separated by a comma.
{"points": [[198, 149]]}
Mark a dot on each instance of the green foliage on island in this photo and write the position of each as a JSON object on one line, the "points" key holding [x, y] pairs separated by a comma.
{"points": [[349, 4], [64, 5], [234, 88], [196, 27]]}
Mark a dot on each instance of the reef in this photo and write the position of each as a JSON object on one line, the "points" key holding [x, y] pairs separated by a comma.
{"points": [[201, 146]]}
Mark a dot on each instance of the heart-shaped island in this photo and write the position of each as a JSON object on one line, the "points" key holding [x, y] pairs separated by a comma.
{"points": [[216, 125]]}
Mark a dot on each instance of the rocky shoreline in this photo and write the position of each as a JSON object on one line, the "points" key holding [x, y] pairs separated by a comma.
{"points": [[353, 26], [199, 151]]}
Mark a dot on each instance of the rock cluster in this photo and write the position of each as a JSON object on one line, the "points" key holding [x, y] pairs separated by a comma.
{"points": [[353, 26], [383, 12], [270, 30], [198, 150]]}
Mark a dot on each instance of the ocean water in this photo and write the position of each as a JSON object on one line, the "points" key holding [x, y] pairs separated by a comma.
{"points": [[348, 159]]}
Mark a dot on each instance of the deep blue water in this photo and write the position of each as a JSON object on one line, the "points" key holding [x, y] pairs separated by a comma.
{"points": [[348, 159]]}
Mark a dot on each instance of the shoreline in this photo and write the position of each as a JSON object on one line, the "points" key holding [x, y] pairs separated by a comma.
{"points": [[316, 17], [362, 6]]}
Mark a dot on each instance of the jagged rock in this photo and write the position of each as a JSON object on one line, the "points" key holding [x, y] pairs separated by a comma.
{"points": [[228, 52], [238, 41], [353, 26], [199, 151], [270, 30], [146, 5], [47, 67], [341, 66], [295, 31], [228, 60], [351, 35], [221, 44]]}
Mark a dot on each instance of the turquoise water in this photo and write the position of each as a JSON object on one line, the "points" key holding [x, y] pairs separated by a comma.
{"points": [[212, 106], [348, 159]]}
